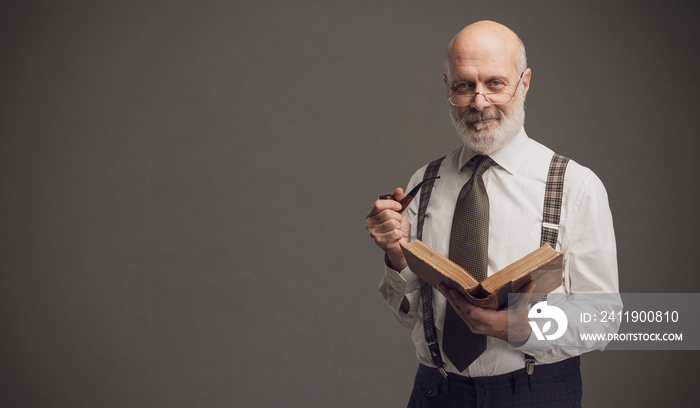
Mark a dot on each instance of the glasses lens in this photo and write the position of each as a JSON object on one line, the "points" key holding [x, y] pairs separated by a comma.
{"points": [[466, 99], [498, 98], [461, 99]]}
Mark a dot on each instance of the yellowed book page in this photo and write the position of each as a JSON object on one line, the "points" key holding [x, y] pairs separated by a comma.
{"points": [[434, 268], [543, 265]]}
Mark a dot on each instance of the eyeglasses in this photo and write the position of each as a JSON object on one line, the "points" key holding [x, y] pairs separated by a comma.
{"points": [[495, 98]]}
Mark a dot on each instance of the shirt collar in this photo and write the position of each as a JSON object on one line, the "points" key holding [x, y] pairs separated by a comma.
{"points": [[509, 156]]}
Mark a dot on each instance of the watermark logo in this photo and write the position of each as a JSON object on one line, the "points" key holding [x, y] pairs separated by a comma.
{"points": [[547, 313]]}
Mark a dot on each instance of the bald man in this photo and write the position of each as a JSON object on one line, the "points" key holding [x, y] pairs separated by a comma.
{"points": [[487, 81]]}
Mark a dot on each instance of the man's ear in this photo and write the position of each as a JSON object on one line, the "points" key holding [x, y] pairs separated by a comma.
{"points": [[444, 78], [526, 81]]}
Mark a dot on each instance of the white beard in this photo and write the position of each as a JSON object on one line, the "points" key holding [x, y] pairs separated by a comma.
{"points": [[486, 138]]}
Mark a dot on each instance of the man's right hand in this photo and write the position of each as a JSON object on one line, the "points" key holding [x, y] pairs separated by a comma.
{"points": [[388, 228]]}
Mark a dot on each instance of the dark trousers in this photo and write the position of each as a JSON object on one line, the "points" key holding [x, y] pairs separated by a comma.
{"points": [[555, 385]]}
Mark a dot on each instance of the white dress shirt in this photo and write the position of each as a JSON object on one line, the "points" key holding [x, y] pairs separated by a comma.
{"points": [[516, 187]]}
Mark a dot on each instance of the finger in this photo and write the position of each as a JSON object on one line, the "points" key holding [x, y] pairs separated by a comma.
{"points": [[381, 205], [461, 303], [528, 288], [386, 239], [384, 221], [455, 298], [444, 289], [526, 293], [388, 233], [389, 225], [399, 194]]}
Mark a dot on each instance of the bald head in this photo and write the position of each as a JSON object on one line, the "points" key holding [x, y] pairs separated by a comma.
{"points": [[486, 39]]}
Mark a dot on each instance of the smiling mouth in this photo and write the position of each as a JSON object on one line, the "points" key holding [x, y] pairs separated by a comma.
{"points": [[483, 122], [481, 119]]}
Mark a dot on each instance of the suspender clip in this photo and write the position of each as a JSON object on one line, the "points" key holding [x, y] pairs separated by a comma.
{"points": [[529, 365], [550, 226], [437, 358]]}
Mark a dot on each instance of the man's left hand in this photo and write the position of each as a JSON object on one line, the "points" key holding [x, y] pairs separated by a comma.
{"points": [[494, 322]]}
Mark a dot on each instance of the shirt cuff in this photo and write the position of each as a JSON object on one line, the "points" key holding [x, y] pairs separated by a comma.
{"points": [[532, 345], [395, 286], [402, 282]]}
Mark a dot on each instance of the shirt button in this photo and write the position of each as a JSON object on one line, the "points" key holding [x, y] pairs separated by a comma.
{"points": [[479, 383], [429, 390]]}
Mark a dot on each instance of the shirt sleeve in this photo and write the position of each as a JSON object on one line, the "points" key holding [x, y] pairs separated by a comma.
{"points": [[394, 286], [590, 248]]}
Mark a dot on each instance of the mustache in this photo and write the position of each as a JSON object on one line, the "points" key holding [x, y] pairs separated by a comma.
{"points": [[475, 116]]}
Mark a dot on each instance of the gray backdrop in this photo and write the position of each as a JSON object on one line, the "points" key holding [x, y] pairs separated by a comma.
{"points": [[184, 186]]}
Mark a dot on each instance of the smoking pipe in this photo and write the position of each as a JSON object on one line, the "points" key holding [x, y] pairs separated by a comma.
{"points": [[409, 197]]}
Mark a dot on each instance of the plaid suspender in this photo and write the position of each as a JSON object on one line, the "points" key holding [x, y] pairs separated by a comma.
{"points": [[553, 192], [426, 291], [552, 200], [550, 231]]}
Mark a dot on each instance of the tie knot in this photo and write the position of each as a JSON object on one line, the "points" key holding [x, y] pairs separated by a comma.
{"points": [[481, 164]]}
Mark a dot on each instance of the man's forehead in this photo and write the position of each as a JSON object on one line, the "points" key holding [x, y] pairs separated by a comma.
{"points": [[483, 47], [464, 67], [489, 54]]}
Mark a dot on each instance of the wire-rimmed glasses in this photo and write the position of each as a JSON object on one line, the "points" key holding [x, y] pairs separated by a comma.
{"points": [[494, 98]]}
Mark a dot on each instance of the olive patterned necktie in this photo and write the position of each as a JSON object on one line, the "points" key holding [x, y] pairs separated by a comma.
{"points": [[469, 249]]}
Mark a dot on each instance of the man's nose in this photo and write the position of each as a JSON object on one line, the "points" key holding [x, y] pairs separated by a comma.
{"points": [[480, 103]]}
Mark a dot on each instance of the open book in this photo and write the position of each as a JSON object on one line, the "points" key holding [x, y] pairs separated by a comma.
{"points": [[544, 266]]}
